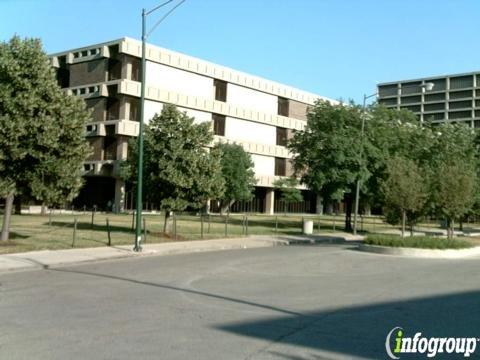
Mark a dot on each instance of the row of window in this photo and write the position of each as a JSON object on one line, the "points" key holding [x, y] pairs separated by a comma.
{"points": [[91, 52]]}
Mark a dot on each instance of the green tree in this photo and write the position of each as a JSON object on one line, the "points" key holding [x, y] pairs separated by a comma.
{"points": [[454, 172], [237, 172], [405, 188], [42, 144], [327, 153], [288, 190], [179, 169]]}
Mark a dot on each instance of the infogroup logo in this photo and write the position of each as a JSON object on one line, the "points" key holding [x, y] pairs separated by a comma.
{"points": [[397, 343]]}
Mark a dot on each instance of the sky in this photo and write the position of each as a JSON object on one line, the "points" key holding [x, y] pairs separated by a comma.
{"points": [[335, 48]]}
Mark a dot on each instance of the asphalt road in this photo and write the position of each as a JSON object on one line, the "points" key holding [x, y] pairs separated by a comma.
{"points": [[296, 302]]}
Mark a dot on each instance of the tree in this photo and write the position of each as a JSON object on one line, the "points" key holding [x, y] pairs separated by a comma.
{"points": [[288, 190], [405, 189], [237, 172], [179, 170], [454, 167], [327, 153], [42, 145]]}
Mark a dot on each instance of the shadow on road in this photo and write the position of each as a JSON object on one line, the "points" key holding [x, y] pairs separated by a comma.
{"points": [[357, 330]]}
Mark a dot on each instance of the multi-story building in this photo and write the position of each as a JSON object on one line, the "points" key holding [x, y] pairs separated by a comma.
{"points": [[453, 98], [259, 114]]}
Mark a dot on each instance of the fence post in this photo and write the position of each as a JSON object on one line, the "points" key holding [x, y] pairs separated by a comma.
{"points": [[133, 220], [201, 226], [175, 226], [74, 231], [361, 223], [276, 224], [319, 218], [108, 232], [144, 230], [93, 215], [50, 218], [226, 225], [246, 225]]}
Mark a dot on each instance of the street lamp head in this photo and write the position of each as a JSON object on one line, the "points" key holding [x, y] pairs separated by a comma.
{"points": [[428, 86]]}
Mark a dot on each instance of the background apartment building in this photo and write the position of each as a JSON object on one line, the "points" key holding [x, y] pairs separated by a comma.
{"points": [[260, 115], [454, 98]]}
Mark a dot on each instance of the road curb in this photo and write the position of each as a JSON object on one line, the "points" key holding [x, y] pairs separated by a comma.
{"points": [[45, 259], [421, 253]]}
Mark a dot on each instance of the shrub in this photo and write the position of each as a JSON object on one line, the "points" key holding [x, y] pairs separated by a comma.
{"points": [[423, 242]]}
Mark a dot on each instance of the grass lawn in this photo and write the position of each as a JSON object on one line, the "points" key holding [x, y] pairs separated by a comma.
{"points": [[424, 242], [35, 232]]}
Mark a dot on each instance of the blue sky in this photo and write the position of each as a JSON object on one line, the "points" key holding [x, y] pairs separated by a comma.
{"points": [[335, 48]]}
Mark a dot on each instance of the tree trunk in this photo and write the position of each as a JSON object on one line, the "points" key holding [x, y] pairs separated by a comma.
{"points": [[43, 211], [7, 216], [167, 218], [452, 228], [403, 223], [348, 213], [226, 206]]}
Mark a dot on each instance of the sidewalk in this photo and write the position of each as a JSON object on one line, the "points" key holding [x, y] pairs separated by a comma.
{"points": [[51, 258]]}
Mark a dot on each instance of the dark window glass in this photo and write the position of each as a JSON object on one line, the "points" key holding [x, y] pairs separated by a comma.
{"points": [[114, 69], [218, 124], [280, 167], [136, 65], [220, 90], [134, 109], [282, 106], [281, 136], [109, 148], [113, 109]]}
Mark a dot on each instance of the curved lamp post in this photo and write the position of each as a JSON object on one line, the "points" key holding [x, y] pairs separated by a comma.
{"points": [[425, 87], [145, 35]]}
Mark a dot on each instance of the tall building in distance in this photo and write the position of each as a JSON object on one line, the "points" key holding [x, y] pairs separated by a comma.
{"points": [[259, 114], [454, 98]]}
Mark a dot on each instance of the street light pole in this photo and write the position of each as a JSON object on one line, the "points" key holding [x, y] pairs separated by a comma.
{"points": [[424, 87], [362, 134], [139, 206]]}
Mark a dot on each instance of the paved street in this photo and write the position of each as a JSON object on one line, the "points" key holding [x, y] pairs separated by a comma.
{"points": [[291, 302]]}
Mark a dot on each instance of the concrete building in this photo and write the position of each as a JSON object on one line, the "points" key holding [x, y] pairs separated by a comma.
{"points": [[454, 98], [258, 114]]}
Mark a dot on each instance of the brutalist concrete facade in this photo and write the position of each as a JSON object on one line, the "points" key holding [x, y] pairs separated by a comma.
{"points": [[256, 113]]}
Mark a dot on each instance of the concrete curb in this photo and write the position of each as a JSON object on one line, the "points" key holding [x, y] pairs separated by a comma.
{"points": [[421, 253], [35, 260]]}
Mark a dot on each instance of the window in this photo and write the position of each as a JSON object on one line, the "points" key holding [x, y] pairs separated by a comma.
{"points": [[280, 167], [109, 148], [113, 109], [281, 136], [110, 130], [218, 124], [134, 113], [114, 69], [136, 65], [220, 90], [282, 106]]}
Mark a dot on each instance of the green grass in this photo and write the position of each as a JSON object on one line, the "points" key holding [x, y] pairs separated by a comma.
{"points": [[34, 232], [423, 242]]}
